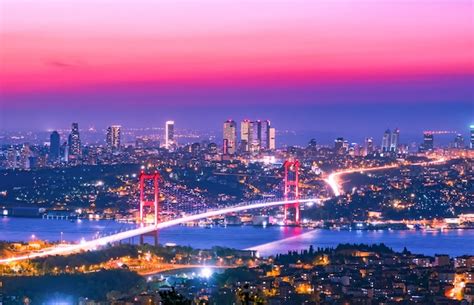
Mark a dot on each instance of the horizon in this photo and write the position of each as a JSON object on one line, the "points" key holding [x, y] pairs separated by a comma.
{"points": [[399, 67]]}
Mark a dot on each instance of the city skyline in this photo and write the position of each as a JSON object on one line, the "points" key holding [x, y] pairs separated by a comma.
{"points": [[224, 152], [301, 58]]}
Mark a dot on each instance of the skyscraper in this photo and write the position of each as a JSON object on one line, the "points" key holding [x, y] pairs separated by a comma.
{"points": [[25, 155], [244, 134], [369, 146], [272, 136], [12, 157], [428, 141], [54, 146], [471, 144], [229, 137], [339, 145], [386, 140], [459, 141], [254, 136], [394, 140], [113, 137], [75, 141], [264, 134], [169, 134]]}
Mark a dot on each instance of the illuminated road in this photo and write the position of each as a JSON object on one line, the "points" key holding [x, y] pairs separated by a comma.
{"points": [[94, 244], [170, 267], [334, 180]]}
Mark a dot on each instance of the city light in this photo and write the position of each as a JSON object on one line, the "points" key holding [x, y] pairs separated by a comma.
{"points": [[206, 272], [91, 244], [343, 173]]}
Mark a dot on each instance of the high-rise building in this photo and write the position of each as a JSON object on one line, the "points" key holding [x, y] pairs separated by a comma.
{"points": [[75, 141], [369, 146], [459, 141], [258, 135], [12, 156], [113, 137], [428, 141], [25, 155], [229, 137], [254, 136], [272, 136], [54, 146], [169, 134], [244, 135], [394, 140], [339, 145], [212, 148], [386, 140], [264, 134], [471, 144], [65, 151]]}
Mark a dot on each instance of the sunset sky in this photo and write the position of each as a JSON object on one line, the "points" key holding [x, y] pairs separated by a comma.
{"points": [[344, 62]]}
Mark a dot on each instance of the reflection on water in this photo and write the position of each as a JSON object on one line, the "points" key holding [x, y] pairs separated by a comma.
{"points": [[452, 242], [267, 241]]}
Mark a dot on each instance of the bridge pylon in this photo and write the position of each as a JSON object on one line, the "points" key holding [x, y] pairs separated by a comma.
{"points": [[291, 191], [147, 205]]}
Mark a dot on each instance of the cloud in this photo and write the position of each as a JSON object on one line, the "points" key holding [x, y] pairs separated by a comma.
{"points": [[62, 64], [59, 64]]}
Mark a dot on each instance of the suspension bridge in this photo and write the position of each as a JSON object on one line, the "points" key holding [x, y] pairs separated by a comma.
{"points": [[290, 200]]}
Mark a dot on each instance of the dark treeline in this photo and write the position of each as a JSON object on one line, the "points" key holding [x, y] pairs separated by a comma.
{"points": [[91, 285], [308, 255]]}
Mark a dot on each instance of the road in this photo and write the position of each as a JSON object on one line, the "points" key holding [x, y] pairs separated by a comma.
{"points": [[102, 241], [335, 182], [169, 267]]}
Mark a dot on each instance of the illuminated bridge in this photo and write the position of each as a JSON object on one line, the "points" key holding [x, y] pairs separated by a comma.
{"points": [[102, 241], [291, 200]]}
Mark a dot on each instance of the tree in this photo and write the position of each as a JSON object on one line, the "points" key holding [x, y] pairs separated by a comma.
{"points": [[171, 297]]}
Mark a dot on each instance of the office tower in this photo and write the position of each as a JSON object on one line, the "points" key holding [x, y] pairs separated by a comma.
{"points": [[339, 145], [244, 135], [54, 146], [212, 148], [345, 146], [25, 155], [169, 134], [272, 141], [459, 141], [65, 152], [254, 136], [386, 141], [471, 144], [353, 149], [230, 137], [257, 135], [264, 134], [369, 146], [394, 140], [428, 141], [11, 158], [313, 144], [74, 141], [113, 137]]}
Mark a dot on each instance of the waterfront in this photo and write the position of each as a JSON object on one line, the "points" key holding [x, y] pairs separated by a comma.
{"points": [[267, 241]]}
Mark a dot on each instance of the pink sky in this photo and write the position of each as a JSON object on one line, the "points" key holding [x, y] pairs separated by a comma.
{"points": [[51, 44]]}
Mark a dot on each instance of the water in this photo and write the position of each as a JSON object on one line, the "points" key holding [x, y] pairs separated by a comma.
{"points": [[267, 241]]}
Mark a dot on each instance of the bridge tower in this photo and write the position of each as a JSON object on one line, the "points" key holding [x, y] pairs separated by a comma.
{"points": [[291, 191], [147, 205]]}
